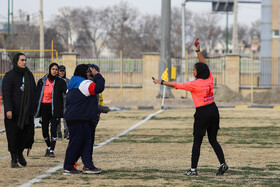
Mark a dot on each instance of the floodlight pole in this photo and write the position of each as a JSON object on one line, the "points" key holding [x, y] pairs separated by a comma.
{"points": [[165, 48], [183, 29], [235, 30], [8, 19], [41, 35], [180, 76], [227, 32], [13, 28]]}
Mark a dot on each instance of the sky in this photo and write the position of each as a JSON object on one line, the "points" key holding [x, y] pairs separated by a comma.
{"points": [[247, 13]]}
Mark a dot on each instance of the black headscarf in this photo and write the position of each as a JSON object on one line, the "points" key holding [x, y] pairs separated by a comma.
{"points": [[50, 75], [25, 100], [202, 70], [81, 71]]}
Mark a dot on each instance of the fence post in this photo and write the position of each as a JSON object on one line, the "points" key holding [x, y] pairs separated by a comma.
{"points": [[52, 51], [69, 60], [187, 68], [121, 73], [252, 78], [56, 55], [232, 72]]}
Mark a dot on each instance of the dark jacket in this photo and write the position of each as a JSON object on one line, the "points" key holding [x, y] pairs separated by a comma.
{"points": [[59, 88], [81, 105], [12, 93]]}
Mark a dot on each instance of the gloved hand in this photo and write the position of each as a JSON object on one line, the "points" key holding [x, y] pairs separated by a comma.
{"points": [[103, 109]]}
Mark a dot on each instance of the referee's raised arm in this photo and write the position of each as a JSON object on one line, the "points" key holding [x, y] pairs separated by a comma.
{"points": [[199, 54]]}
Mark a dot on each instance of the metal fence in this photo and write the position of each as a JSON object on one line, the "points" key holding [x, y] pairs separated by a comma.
{"points": [[118, 71], [259, 72], [38, 66], [185, 68], [254, 71]]}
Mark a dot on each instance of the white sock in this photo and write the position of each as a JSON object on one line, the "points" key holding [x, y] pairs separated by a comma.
{"points": [[193, 169]]}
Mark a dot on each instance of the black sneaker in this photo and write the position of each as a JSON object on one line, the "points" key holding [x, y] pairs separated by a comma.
{"points": [[72, 172], [92, 171], [190, 172], [222, 169], [51, 154], [47, 154]]}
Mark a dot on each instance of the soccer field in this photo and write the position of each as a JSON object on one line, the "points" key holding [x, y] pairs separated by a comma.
{"points": [[157, 153]]}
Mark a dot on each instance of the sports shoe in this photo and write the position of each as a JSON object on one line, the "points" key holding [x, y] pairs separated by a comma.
{"points": [[51, 154], [92, 171], [190, 172], [72, 172], [222, 169], [47, 154]]}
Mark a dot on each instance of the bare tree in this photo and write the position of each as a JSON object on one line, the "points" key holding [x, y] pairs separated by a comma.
{"points": [[123, 30], [207, 30], [176, 32], [94, 25], [255, 30], [52, 35], [64, 25], [149, 32], [243, 35], [190, 30]]}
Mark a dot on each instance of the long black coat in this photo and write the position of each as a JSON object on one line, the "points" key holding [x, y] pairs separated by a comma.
{"points": [[59, 89], [12, 93]]}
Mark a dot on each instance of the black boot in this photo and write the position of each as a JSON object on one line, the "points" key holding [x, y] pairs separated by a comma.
{"points": [[21, 159], [14, 162]]}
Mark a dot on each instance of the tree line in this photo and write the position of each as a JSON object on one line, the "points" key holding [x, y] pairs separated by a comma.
{"points": [[90, 31]]}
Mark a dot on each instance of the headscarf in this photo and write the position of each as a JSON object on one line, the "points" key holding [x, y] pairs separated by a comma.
{"points": [[50, 76], [202, 70], [25, 100], [81, 71]]}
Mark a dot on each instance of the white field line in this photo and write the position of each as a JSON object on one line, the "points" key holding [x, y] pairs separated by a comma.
{"points": [[54, 169]]}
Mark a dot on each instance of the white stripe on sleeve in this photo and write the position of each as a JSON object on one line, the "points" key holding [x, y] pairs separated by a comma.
{"points": [[84, 87]]}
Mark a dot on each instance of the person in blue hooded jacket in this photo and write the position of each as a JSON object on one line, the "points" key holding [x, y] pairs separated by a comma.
{"points": [[81, 111]]}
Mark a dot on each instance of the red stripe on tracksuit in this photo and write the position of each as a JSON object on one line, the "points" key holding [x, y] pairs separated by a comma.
{"points": [[91, 88]]}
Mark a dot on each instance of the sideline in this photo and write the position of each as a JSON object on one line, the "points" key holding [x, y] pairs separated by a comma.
{"points": [[54, 169]]}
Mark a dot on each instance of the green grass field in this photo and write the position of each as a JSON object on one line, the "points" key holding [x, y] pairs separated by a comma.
{"points": [[158, 152]]}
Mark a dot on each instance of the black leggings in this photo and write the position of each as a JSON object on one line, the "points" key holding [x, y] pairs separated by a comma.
{"points": [[215, 145], [206, 119], [47, 118]]}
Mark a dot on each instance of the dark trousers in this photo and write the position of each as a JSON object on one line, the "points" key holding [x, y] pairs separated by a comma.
{"points": [[93, 129], [47, 119], [206, 120], [19, 139], [80, 144]]}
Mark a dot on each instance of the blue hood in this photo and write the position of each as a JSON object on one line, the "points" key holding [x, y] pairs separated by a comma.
{"points": [[75, 82]]}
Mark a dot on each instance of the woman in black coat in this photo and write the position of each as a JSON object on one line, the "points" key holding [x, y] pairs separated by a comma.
{"points": [[50, 90], [19, 93]]}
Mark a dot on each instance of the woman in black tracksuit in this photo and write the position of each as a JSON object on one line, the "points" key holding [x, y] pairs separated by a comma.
{"points": [[50, 90], [19, 90], [206, 117]]}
